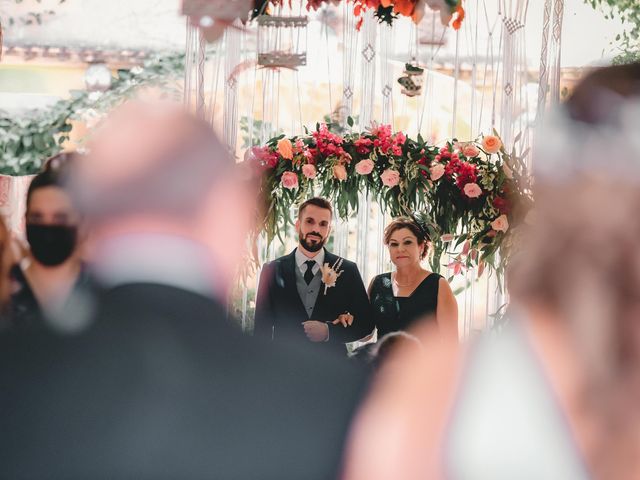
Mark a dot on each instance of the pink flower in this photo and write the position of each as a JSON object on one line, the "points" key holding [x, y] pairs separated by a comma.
{"points": [[470, 150], [390, 178], [491, 144], [309, 171], [285, 148], [364, 167], [447, 237], [500, 224], [289, 180], [400, 138], [436, 171], [472, 190], [265, 157], [363, 146], [340, 173]]}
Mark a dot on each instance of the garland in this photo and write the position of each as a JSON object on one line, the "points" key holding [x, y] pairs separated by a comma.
{"points": [[472, 193], [27, 141]]}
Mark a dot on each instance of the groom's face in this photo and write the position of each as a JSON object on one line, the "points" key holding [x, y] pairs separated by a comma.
{"points": [[314, 227]]}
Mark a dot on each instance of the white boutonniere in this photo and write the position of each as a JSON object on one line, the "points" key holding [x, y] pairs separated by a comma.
{"points": [[330, 274]]}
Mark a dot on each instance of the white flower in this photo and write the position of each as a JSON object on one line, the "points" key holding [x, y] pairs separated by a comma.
{"points": [[330, 274]]}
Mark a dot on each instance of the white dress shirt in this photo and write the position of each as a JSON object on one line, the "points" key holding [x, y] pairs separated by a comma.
{"points": [[301, 258]]}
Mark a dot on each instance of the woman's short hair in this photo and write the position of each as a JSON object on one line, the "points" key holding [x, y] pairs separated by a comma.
{"points": [[413, 226]]}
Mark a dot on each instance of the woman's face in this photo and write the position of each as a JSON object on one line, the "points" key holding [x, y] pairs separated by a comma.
{"points": [[51, 206], [52, 226], [404, 248]]}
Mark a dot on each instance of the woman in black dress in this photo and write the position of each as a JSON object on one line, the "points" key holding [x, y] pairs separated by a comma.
{"points": [[410, 293], [43, 281]]}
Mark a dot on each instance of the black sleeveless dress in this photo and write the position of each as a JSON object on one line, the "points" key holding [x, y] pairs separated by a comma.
{"points": [[391, 313]]}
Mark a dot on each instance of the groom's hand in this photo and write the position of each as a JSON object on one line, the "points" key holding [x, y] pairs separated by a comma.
{"points": [[316, 331]]}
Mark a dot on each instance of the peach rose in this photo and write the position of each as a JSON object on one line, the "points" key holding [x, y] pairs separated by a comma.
{"points": [[436, 171], [500, 224], [289, 180], [491, 144], [309, 171], [470, 150], [340, 173], [364, 167], [472, 190], [285, 148], [390, 178]]}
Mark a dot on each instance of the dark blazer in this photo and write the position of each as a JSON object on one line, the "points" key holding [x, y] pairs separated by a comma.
{"points": [[159, 386], [280, 311]]}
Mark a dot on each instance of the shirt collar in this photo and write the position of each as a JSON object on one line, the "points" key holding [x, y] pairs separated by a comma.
{"points": [[301, 258], [156, 258]]}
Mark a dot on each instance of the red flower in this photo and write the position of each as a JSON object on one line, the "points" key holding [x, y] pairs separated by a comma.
{"points": [[467, 173], [363, 146], [502, 205], [423, 161]]}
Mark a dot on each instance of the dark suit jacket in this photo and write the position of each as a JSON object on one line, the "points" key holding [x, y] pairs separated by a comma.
{"points": [[159, 386], [280, 311]]}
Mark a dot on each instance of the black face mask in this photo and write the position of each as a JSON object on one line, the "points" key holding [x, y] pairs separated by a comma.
{"points": [[51, 244]]}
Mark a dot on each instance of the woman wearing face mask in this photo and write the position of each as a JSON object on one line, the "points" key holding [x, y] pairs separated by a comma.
{"points": [[46, 277], [410, 293]]}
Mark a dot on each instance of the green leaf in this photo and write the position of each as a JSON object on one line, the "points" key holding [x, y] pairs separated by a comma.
{"points": [[350, 121]]}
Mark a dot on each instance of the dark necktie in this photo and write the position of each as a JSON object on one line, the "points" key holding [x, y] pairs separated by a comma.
{"points": [[308, 275]]}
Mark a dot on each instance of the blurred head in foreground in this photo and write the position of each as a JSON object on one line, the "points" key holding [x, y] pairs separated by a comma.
{"points": [[581, 257], [153, 169]]}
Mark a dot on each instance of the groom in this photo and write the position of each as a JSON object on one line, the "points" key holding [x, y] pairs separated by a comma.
{"points": [[295, 299]]}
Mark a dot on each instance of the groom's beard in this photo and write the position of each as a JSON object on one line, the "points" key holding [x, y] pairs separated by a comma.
{"points": [[312, 241]]}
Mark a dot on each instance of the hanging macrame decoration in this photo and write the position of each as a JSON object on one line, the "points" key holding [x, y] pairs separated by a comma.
{"points": [[282, 41], [412, 80]]}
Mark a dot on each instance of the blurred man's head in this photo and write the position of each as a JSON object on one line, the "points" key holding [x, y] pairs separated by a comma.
{"points": [[157, 169]]}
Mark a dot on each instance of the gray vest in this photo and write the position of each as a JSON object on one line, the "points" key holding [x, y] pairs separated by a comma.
{"points": [[308, 293]]}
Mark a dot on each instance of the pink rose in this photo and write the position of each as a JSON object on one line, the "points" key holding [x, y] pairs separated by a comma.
{"points": [[500, 224], [470, 150], [390, 178], [437, 171], [309, 171], [289, 180], [472, 190], [447, 237], [364, 167], [491, 144], [340, 173]]}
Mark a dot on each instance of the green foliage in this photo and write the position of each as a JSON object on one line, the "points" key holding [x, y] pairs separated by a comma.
{"points": [[629, 40], [27, 141]]}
